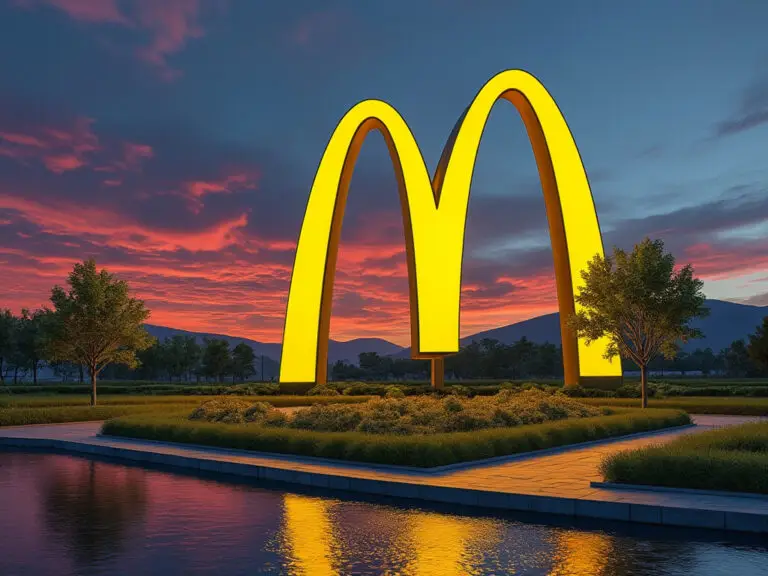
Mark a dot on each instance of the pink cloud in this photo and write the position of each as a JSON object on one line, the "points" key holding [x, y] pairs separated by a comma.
{"points": [[62, 163], [60, 148], [133, 156], [170, 24], [228, 184], [314, 28], [101, 11]]}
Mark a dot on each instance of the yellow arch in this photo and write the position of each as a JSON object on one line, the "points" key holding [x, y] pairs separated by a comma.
{"points": [[434, 218]]}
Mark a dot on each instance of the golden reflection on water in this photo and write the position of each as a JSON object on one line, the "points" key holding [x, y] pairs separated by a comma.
{"points": [[445, 546], [427, 544], [578, 553], [309, 540]]}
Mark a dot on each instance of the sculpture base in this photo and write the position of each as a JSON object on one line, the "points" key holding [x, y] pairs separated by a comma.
{"points": [[601, 382]]}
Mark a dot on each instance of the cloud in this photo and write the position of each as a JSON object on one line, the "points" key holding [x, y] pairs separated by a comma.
{"points": [[163, 26], [752, 112], [60, 148], [313, 28], [98, 11]]}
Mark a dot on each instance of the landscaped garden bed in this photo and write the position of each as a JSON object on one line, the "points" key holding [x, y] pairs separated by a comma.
{"points": [[423, 432], [730, 459]]}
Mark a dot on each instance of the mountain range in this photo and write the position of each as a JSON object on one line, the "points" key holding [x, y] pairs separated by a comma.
{"points": [[727, 321]]}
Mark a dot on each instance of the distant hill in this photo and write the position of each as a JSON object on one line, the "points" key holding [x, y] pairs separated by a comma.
{"points": [[347, 351], [727, 321]]}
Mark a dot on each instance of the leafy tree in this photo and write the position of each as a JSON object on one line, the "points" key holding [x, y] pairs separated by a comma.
{"points": [[8, 332], [32, 339], [737, 360], [757, 349], [97, 322], [243, 359], [640, 303], [193, 353], [174, 356], [217, 359]]}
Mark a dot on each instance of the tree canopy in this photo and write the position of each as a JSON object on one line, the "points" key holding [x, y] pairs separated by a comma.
{"points": [[641, 303], [97, 322]]}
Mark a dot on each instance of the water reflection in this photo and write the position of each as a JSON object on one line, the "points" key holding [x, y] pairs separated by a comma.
{"points": [[63, 515], [310, 544], [581, 553], [445, 546], [92, 506]]}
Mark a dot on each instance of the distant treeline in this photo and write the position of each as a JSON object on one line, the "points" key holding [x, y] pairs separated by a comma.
{"points": [[25, 349], [492, 359]]}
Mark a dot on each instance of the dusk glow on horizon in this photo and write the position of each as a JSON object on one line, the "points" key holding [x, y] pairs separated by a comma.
{"points": [[176, 141]]}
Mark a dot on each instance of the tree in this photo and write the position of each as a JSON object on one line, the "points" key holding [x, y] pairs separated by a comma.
{"points": [[243, 359], [8, 331], [32, 339], [640, 303], [97, 322], [192, 355], [736, 359], [217, 359], [757, 349]]}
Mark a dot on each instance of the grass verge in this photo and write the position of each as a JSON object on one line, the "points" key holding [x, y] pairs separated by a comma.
{"points": [[730, 459], [692, 405], [417, 450], [56, 410]]}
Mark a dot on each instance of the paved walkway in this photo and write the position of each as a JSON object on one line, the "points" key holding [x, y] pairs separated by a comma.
{"points": [[556, 481]]}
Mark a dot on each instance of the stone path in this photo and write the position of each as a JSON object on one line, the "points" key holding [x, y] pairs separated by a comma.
{"points": [[557, 481]]}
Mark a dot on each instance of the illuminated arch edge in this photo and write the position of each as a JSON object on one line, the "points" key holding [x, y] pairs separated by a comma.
{"points": [[573, 225]]}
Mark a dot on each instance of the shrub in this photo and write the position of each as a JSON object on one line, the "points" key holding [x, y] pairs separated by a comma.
{"points": [[322, 390], [424, 415], [227, 410], [419, 450], [394, 392], [459, 390], [733, 458]]}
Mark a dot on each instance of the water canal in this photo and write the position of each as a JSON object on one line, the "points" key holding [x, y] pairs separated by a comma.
{"points": [[65, 515]]}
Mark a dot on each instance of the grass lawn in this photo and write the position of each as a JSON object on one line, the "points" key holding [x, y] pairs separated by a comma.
{"points": [[20, 410], [730, 459], [693, 404], [423, 450]]}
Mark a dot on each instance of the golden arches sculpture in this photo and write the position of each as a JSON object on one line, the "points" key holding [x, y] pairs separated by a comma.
{"points": [[434, 214]]}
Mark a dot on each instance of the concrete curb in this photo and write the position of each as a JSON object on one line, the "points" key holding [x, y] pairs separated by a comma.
{"points": [[673, 490], [700, 517]]}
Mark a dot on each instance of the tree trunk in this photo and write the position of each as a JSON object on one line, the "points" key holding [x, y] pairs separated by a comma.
{"points": [[34, 373], [93, 387], [80, 366], [2, 376], [644, 385], [15, 374]]}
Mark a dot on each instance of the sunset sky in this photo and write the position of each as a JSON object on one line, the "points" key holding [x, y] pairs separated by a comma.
{"points": [[176, 141]]}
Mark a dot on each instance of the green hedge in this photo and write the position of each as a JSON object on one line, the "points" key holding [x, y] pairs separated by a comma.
{"points": [[421, 451], [729, 459]]}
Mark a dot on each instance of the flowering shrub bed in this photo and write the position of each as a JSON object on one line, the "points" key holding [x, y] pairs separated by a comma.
{"points": [[407, 415]]}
